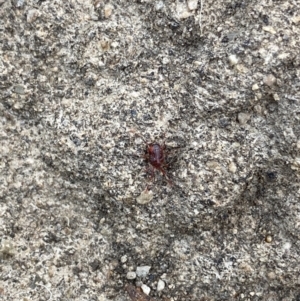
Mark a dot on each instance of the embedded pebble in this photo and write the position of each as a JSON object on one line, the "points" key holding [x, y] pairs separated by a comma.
{"points": [[159, 5], [145, 197], [131, 275], [108, 10], [192, 4], [268, 239], [243, 118], [269, 29], [19, 3], [233, 59], [19, 89], [276, 97], [269, 80], [255, 87], [296, 19], [32, 15], [146, 289], [124, 258], [143, 271], [271, 275], [160, 285], [232, 167]]}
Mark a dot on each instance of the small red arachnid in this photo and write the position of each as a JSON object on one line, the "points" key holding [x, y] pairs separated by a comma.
{"points": [[156, 157]]}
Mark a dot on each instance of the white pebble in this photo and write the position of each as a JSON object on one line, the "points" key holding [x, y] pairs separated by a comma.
{"points": [[233, 59], [124, 258], [146, 289], [145, 197], [192, 4], [159, 5], [131, 275], [32, 15], [143, 271], [269, 80], [232, 167], [243, 118], [160, 285], [268, 239], [108, 10], [165, 61], [269, 29], [276, 97]]}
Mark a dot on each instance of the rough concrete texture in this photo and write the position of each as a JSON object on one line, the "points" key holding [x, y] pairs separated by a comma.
{"points": [[84, 84]]}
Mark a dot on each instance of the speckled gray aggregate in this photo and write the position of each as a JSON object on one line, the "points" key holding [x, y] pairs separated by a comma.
{"points": [[81, 81]]}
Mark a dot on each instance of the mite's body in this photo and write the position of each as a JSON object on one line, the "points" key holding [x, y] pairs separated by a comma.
{"points": [[156, 156]]}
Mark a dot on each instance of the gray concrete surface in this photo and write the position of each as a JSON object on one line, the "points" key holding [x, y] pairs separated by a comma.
{"points": [[84, 84]]}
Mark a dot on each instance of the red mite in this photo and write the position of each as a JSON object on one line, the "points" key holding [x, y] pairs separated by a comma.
{"points": [[156, 156]]}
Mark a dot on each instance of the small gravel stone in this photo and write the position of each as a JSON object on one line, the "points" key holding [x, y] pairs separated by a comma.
{"points": [[143, 271], [19, 3], [192, 4], [145, 197], [160, 285], [296, 19], [269, 80], [232, 167], [269, 29], [146, 289], [131, 275], [124, 258], [271, 275], [243, 118], [276, 97], [159, 5], [268, 239], [19, 89], [233, 59], [108, 10], [32, 15]]}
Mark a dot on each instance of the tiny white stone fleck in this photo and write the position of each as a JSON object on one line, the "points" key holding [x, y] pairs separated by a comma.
{"points": [[255, 87], [131, 275], [276, 97], [159, 5], [287, 246], [143, 271], [232, 167], [233, 59], [269, 29], [146, 289], [192, 4], [145, 197], [269, 80], [124, 258], [243, 118], [271, 275], [165, 60], [160, 285], [296, 19], [268, 239], [32, 15], [108, 10]]}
